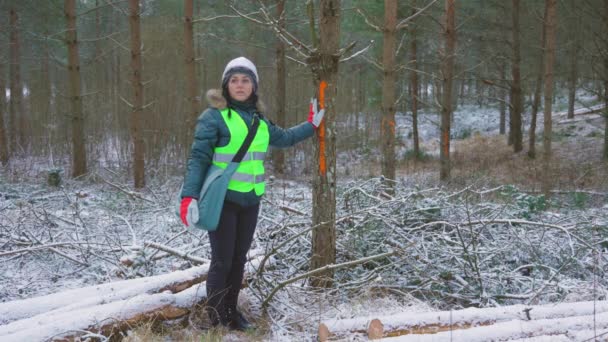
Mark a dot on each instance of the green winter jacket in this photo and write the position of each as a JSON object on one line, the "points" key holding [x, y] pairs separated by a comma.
{"points": [[211, 131]]}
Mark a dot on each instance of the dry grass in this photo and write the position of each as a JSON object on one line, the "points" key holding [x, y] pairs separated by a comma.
{"points": [[576, 164], [195, 328]]}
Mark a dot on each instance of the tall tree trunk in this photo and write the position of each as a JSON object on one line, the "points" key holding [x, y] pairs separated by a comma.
{"points": [[47, 93], [324, 179], [190, 68], [537, 90], [447, 75], [79, 156], [550, 23], [4, 156], [516, 97], [387, 130], [573, 75], [606, 103], [414, 86], [138, 96], [358, 96], [503, 100], [606, 84], [15, 108], [97, 31], [572, 80], [278, 155]]}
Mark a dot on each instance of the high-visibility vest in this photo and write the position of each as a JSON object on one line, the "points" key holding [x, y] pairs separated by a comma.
{"points": [[250, 173]]}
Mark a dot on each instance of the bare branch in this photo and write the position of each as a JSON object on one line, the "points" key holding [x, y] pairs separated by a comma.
{"points": [[369, 22], [403, 23]]}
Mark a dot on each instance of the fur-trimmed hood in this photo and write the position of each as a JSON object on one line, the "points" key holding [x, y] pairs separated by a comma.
{"points": [[217, 100]]}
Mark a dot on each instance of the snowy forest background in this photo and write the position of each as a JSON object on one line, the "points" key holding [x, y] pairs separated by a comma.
{"points": [[93, 152]]}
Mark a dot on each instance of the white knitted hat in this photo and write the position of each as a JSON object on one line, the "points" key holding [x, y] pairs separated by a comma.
{"points": [[241, 62]]}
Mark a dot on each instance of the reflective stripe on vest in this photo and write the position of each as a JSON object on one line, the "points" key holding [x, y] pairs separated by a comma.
{"points": [[227, 157], [250, 173]]}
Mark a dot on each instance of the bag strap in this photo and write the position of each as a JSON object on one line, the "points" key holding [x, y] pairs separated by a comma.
{"points": [[248, 139]]}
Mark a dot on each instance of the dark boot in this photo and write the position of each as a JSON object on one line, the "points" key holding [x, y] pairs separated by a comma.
{"points": [[216, 308], [237, 320], [217, 317]]}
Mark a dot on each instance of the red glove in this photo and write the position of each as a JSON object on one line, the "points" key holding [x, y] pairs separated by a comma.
{"points": [[315, 117], [188, 210]]}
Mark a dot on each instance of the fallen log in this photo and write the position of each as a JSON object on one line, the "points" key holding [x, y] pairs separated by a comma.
{"points": [[99, 294], [583, 111], [105, 310], [436, 322], [106, 319], [517, 329]]}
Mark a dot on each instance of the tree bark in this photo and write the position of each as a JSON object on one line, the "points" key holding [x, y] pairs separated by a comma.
{"points": [[414, 87], [387, 130], [447, 75], [324, 179], [278, 155], [516, 96], [79, 156], [550, 23], [4, 156], [138, 96], [15, 109], [537, 91], [606, 85], [503, 102], [574, 47], [190, 68]]}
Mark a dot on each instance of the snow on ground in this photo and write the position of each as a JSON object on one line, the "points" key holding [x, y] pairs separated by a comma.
{"points": [[471, 119], [76, 236]]}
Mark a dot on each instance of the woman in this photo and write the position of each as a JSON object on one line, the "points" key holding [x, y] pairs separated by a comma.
{"points": [[219, 133]]}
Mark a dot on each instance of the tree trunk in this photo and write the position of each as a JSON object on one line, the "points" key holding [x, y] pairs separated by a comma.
{"points": [[516, 98], [324, 179], [414, 87], [503, 100], [572, 83], [550, 23], [278, 155], [191, 82], [387, 130], [572, 80], [606, 85], [138, 96], [15, 108], [4, 156], [79, 156], [537, 91], [47, 86], [606, 106], [573, 75], [447, 75]]}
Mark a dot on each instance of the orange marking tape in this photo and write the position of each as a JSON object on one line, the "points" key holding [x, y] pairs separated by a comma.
{"points": [[322, 162]]}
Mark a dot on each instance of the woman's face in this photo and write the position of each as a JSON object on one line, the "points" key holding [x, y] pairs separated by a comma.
{"points": [[240, 87]]}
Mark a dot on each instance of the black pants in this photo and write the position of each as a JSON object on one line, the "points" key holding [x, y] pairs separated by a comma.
{"points": [[229, 246]]}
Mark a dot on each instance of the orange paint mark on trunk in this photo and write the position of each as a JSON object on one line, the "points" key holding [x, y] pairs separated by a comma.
{"points": [[321, 130]]}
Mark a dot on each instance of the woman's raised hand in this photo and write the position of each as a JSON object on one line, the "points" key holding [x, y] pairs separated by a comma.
{"points": [[315, 117]]}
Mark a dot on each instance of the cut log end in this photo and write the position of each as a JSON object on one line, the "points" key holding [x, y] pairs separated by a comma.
{"points": [[323, 333], [375, 330]]}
